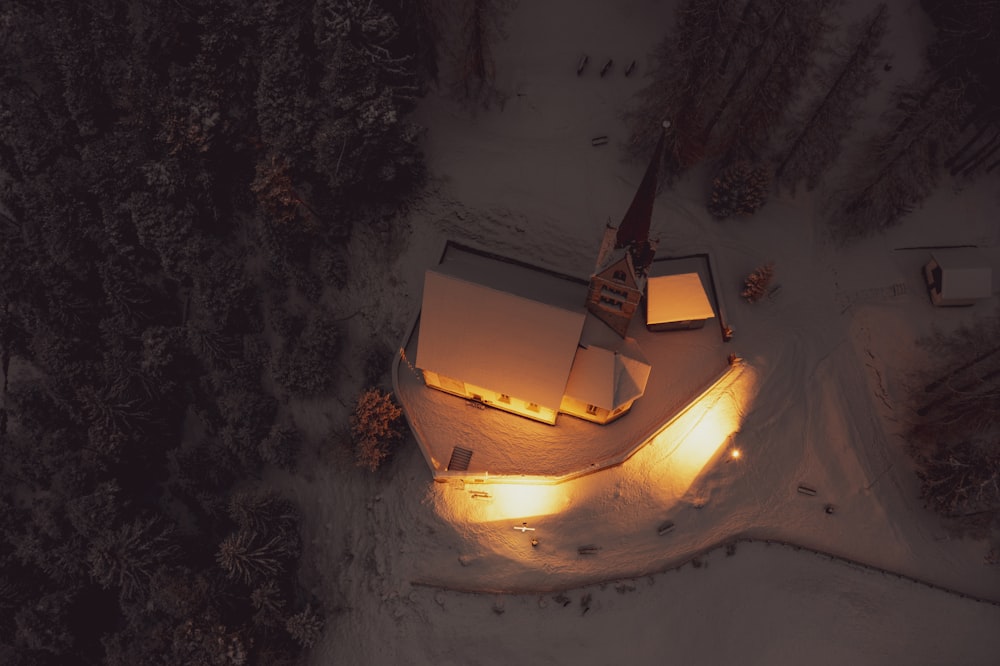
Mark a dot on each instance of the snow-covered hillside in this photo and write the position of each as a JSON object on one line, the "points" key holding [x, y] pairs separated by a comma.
{"points": [[824, 403]]}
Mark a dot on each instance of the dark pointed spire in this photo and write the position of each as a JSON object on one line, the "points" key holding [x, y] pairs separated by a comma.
{"points": [[634, 229]]}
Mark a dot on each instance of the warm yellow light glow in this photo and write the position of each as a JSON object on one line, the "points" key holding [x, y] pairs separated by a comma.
{"points": [[523, 501], [695, 438], [666, 468], [492, 502]]}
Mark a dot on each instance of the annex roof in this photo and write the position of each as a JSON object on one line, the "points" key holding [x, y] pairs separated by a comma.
{"points": [[966, 273], [497, 340], [606, 378], [671, 298]]}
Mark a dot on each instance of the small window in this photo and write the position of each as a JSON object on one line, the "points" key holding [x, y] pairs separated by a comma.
{"points": [[619, 275], [611, 292], [609, 304], [533, 406], [504, 398], [592, 410]]}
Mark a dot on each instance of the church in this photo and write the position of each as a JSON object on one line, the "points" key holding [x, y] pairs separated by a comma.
{"points": [[537, 350]]}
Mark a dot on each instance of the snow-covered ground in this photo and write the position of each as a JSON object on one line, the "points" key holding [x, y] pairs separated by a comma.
{"points": [[822, 403]]}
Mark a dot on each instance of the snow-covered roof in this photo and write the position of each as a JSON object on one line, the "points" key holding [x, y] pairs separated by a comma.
{"points": [[630, 380], [497, 340], [519, 280], [671, 298], [966, 273], [608, 379], [590, 379]]}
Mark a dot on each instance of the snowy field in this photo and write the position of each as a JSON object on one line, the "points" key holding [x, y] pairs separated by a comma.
{"points": [[822, 403]]}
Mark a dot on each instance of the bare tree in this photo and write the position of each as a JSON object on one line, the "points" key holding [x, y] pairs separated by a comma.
{"points": [[962, 394], [375, 427], [758, 282], [955, 437]]}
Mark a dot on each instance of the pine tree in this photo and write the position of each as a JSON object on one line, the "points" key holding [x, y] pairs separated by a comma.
{"points": [[281, 446], [902, 165], [741, 188], [766, 79], [686, 77], [263, 512], [305, 366], [127, 557], [755, 285], [278, 196], [202, 642], [43, 624], [364, 143], [725, 76], [248, 556], [306, 627], [268, 602], [814, 143]]}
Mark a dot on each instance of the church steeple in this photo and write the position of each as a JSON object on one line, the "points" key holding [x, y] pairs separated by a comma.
{"points": [[633, 232], [616, 286]]}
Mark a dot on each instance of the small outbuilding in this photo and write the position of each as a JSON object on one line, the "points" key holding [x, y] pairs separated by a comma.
{"points": [[676, 302], [958, 276]]}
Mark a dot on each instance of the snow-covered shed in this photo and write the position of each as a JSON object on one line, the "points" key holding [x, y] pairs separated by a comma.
{"points": [[676, 302], [496, 347], [958, 276]]}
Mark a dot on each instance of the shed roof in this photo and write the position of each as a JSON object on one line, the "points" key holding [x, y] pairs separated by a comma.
{"points": [[966, 273], [671, 298], [497, 340]]}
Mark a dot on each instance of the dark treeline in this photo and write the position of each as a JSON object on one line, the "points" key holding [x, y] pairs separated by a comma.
{"points": [[177, 181], [776, 86], [726, 77], [955, 436]]}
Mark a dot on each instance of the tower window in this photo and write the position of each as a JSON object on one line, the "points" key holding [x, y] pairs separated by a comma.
{"points": [[611, 292], [619, 275], [610, 303]]}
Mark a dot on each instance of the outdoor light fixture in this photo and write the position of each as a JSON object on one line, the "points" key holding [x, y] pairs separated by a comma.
{"points": [[703, 433]]}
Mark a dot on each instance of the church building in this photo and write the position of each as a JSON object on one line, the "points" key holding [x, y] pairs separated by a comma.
{"points": [[502, 339]]}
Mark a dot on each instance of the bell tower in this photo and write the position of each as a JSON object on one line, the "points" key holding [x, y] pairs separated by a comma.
{"points": [[616, 286]]}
